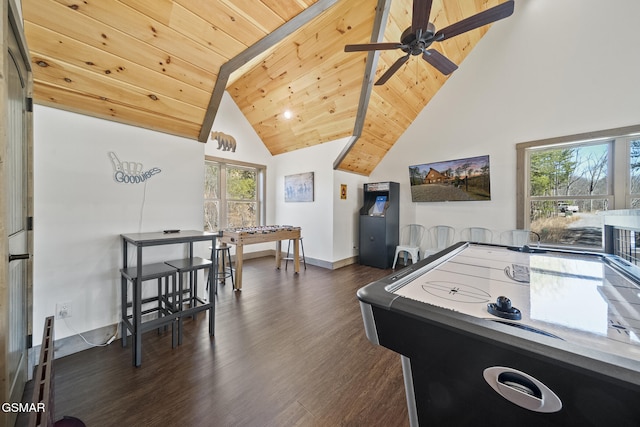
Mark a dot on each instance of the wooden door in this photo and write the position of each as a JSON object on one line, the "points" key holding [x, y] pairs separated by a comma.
{"points": [[14, 299]]}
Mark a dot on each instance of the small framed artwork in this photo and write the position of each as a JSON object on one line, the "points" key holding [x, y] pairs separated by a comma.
{"points": [[299, 187], [343, 191]]}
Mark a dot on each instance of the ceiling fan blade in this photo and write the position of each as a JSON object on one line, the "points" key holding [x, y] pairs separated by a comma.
{"points": [[371, 46], [471, 23], [420, 17], [439, 61], [395, 67]]}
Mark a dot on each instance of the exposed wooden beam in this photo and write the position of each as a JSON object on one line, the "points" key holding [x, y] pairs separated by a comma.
{"points": [[15, 20], [239, 60], [382, 14]]}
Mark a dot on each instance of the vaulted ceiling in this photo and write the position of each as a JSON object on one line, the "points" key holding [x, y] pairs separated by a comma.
{"points": [[164, 65]]}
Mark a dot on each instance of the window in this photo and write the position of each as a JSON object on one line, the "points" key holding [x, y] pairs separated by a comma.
{"points": [[233, 194], [634, 173], [566, 182]]}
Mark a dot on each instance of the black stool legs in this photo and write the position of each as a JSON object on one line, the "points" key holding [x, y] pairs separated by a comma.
{"points": [[217, 256], [220, 251]]}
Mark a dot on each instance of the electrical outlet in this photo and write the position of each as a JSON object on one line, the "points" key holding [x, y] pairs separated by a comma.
{"points": [[63, 310]]}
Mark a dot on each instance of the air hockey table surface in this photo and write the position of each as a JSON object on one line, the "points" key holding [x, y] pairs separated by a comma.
{"points": [[542, 328]]}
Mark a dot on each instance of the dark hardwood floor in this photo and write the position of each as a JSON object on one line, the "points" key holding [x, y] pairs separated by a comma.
{"points": [[288, 351]]}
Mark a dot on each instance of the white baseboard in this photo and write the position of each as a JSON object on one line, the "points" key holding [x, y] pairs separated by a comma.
{"points": [[73, 344]]}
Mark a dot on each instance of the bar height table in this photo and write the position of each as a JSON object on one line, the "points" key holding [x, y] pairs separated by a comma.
{"points": [[142, 240]]}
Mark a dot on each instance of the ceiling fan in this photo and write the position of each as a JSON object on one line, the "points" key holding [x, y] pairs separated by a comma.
{"points": [[416, 39]]}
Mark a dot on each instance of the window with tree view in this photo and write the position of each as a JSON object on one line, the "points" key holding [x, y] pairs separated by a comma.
{"points": [[634, 175], [568, 186], [232, 195], [569, 181]]}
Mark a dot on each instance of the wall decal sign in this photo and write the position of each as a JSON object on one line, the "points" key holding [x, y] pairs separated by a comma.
{"points": [[130, 172], [226, 142]]}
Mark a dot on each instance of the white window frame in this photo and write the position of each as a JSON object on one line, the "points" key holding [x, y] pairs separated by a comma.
{"points": [[619, 175], [261, 176]]}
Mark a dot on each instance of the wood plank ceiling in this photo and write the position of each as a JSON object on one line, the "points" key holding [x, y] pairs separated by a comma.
{"points": [[155, 64]]}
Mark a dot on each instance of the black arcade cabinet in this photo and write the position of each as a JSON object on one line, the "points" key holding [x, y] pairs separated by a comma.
{"points": [[379, 224]]}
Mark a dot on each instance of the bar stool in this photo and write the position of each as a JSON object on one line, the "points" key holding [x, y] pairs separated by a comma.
{"points": [[290, 257], [159, 302], [190, 266], [218, 257]]}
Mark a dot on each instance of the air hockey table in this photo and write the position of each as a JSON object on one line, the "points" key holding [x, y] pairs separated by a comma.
{"points": [[492, 335]]}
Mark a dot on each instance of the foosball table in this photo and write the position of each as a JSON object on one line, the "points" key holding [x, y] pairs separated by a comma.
{"points": [[262, 234]]}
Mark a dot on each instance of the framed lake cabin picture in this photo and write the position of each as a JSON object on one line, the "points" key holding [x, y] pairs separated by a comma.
{"points": [[451, 180]]}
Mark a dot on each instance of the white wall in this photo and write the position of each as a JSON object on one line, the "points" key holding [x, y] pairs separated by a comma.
{"points": [[327, 222], [250, 147], [346, 214], [551, 69], [80, 210]]}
